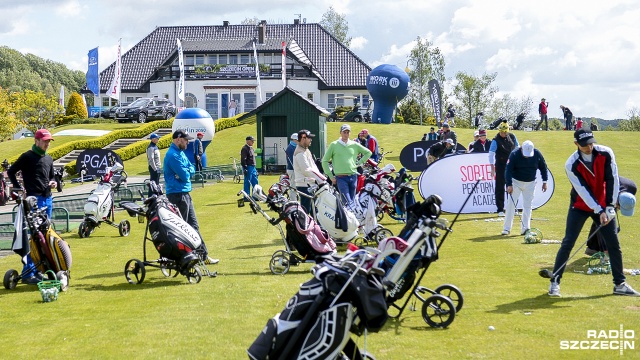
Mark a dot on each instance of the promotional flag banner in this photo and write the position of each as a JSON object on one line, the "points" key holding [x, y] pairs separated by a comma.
{"points": [[436, 99], [114, 89], [258, 89], [61, 97], [284, 64], [181, 66], [93, 76]]}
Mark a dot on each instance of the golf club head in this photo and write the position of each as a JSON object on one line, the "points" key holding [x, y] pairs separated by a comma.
{"points": [[545, 273]]}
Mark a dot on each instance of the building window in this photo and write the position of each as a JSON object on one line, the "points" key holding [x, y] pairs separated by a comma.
{"points": [[334, 100], [310, 96], [190, 100], [188, 60], [233, 59], [245, 59], [249, 101], [211, 105], [268, 96], [130, 99], [199, 59], [222, 58], [365, 101]]}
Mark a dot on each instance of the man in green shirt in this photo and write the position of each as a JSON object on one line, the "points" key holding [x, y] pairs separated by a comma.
{"points": [[343, 154]]}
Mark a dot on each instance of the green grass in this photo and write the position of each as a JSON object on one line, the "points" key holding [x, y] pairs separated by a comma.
{"points": [[102, 316]]}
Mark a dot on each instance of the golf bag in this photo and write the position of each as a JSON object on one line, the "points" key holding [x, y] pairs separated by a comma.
{"points": [[302, 232], [364, 206], [477, 121], [333, 216], [315, 322], [100, 203], [173, 237], [519, 121], [494, 125]]}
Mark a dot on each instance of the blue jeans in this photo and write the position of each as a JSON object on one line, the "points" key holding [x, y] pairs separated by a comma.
{"points": [[347, 187], [575, 220], [250, 179]]}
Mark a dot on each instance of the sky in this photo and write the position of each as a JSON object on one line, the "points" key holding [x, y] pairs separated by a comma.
{"points": [[581, 54]]}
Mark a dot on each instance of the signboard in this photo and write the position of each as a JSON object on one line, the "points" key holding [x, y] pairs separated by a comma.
{"points": [[96, 160], [94, 110], [414, 156], [453, 178]]}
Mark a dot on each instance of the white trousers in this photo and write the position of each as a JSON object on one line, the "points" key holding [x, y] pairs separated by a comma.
{"points": [[527, 189]]}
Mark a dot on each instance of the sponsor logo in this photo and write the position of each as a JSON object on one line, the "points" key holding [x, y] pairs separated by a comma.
{"points": [[394, 82], [618, 340]]}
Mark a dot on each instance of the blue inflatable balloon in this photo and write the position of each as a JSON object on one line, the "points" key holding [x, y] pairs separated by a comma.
{"points": [[193, 121], [387, 85]]}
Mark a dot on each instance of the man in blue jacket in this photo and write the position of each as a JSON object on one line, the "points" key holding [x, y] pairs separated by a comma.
{"points": [[520, 178], [177, 177]]}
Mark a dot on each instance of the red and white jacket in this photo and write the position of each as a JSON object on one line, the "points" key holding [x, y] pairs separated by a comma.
{"points": [[597, 189]]}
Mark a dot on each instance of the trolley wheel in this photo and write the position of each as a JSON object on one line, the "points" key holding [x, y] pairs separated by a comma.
{"points": [[124, 228], [11, 278], [381, 234], [438, 311], [236, 179], [168, 271], [194, 275], [380, 215], [134, 270], [280, 262], [453, 293], [84, 230]]}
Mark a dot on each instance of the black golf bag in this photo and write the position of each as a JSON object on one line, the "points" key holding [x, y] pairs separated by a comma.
{"points": [[171, 235], [477, 121], [316, 322], [303, 233], [494, 125], [519, 121]]}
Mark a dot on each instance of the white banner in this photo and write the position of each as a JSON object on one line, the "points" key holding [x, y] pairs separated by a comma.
{"points": [[284, 64], [258, 88], [454, 176], [114, 89], [61, 97], [181, 66]]}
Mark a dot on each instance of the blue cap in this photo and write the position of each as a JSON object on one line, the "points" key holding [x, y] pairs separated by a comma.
{"points": [[154, 136], [627, 203]]}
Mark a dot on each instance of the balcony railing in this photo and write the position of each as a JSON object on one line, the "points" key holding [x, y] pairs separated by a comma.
{"points": [[232, 71]]}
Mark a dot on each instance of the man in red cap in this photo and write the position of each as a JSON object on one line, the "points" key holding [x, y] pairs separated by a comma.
{"points": [[197, 151], [37, 180]]}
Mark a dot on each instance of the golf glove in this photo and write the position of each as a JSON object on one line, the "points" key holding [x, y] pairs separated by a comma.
{"points": [[611, 212]]}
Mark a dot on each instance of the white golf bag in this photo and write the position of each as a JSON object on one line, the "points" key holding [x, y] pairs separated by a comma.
{"points": [[100, 202], [327, 203], [364, 206]]}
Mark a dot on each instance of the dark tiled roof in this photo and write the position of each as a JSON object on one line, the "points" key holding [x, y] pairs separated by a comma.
{"points": [[337, 66]]}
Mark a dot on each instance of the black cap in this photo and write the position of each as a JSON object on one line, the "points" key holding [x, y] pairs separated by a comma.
{"points": [[182, 134], [583, 137], [250, 138], [306, 133]]}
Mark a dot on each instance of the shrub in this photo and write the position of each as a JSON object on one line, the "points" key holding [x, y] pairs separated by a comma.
{"points": [[76, 107]]}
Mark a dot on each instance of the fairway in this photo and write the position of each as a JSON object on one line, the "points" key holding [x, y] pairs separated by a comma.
{"points": [[104, 317]]}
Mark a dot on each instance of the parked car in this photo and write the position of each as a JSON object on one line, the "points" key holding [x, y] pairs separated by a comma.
{"points": [[145, 109], [110, 113]]}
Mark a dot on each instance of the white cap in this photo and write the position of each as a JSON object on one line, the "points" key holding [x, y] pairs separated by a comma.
{"points": [[294, 136], [450, 141], [345, 127], [476, 133], [527, 148]]}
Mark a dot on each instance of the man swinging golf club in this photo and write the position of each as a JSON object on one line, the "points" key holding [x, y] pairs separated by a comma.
{"points": [[593, 174]]}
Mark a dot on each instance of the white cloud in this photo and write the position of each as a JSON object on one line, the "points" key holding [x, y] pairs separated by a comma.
{"points": [[358, 43], [69, 9]]}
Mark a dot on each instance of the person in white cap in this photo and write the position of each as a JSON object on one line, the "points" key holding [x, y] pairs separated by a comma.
{"points": [[439, 150], [343, 155], [476, 136], [291, 148], [520, 177]]}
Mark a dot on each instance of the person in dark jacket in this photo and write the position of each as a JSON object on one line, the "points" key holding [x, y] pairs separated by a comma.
{"points": [[520, 178], [289, 151], [501, 147], [153, 160], [439, 150], [593, 174], [38, 180], [626, 204], [248, 162], [198, 151], [568, 117], [481, 145], [447, 133]]}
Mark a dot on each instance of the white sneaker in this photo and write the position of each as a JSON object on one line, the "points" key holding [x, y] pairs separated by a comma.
{"points": [[505, 232], [501, 214], [554, 289], [624, 289]]}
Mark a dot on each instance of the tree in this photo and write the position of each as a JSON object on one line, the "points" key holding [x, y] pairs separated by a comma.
{"points": [[475, 94], [36, 110], [427, 63], [8, 121], [76, 107], [633, 123], [509, 107], [337, 25]]}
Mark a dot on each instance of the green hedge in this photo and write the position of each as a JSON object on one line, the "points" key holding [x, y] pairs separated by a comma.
{"points": [[132, 150]]}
